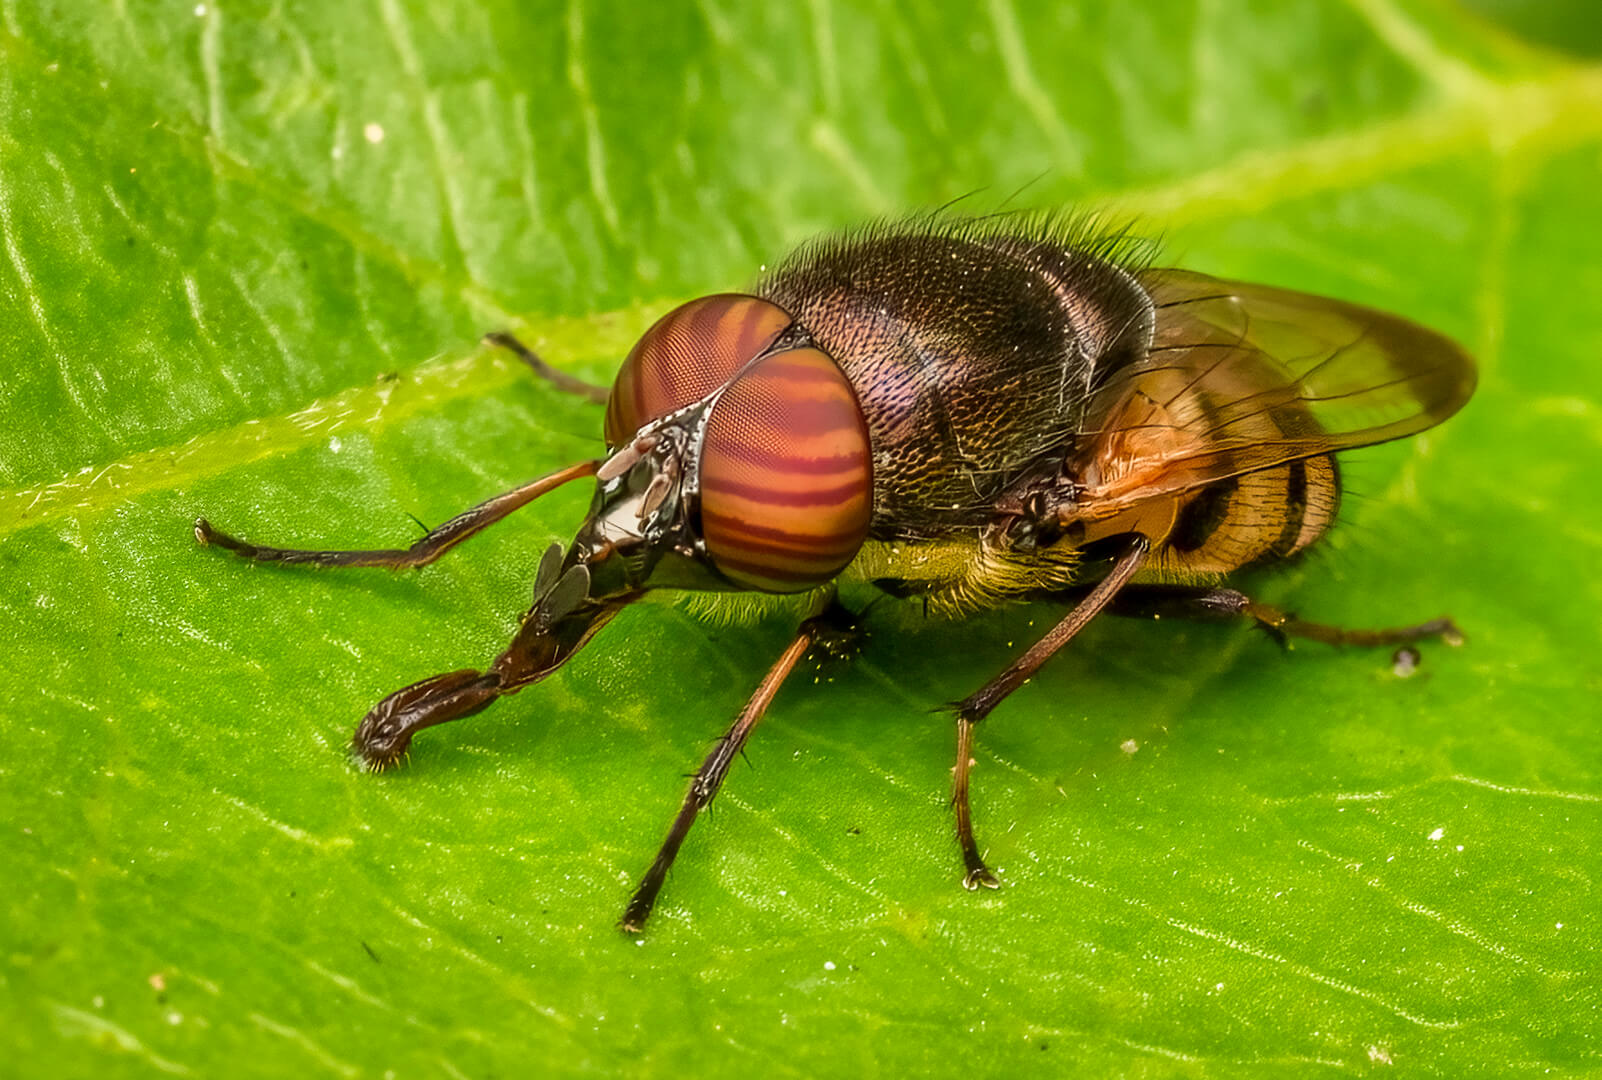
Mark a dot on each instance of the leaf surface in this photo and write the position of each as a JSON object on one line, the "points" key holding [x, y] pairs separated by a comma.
{"points": [[245, 254]]}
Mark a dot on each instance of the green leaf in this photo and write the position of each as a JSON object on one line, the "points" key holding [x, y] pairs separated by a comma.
{"points": [[246, 251]]}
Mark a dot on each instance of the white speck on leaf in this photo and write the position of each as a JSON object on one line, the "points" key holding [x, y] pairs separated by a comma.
{"points": [[373, 133], [1437, 834]]}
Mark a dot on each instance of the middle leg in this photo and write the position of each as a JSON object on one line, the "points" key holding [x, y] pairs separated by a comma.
{"points": [[827, 626], [977, 706]]}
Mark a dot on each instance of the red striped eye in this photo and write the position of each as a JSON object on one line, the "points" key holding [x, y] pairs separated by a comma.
{"points": [[786, 476], [687, 354]]}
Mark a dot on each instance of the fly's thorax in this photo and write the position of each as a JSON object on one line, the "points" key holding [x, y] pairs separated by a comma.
{"points": [[973, 355], [1111, 313]]}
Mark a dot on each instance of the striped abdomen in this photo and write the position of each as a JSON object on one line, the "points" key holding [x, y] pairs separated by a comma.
{"points": [[1257, 517], [786, 474]]}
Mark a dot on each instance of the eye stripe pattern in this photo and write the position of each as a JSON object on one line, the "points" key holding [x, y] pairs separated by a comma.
{"points": [[786, 474], [758, 539], [807, 496], [687, 354], [766, 458]]}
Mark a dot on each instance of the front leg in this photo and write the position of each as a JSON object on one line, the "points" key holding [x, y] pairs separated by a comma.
{"points": [[563, 618], [424, 551]]}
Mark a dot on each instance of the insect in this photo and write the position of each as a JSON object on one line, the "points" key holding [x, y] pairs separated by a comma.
{"points": [[969, 412]]}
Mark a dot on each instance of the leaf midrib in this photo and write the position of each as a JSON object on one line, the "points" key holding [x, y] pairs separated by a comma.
{"points": [[1509, 119]]}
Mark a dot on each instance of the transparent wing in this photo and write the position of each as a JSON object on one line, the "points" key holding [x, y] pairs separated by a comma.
{"points": [[1246, 377]]}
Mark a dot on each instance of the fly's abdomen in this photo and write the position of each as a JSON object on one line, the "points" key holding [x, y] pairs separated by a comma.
{"points": [[1258, 517]]}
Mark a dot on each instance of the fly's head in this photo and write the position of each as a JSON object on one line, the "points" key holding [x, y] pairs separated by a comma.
{"points": [[740, 461], [641, 532]]}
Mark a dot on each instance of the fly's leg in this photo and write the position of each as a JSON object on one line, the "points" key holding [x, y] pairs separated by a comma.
{"points": [[1200, 602], [426, 550], [976, 873], [561, 621], [829, 625], [704, 785], [384, 736], [559, 379], [459, 528], [385, 733], [977, 706]]}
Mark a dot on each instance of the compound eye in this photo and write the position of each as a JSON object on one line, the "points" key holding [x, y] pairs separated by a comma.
{"points": [[786, 474], [687, 354]]}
